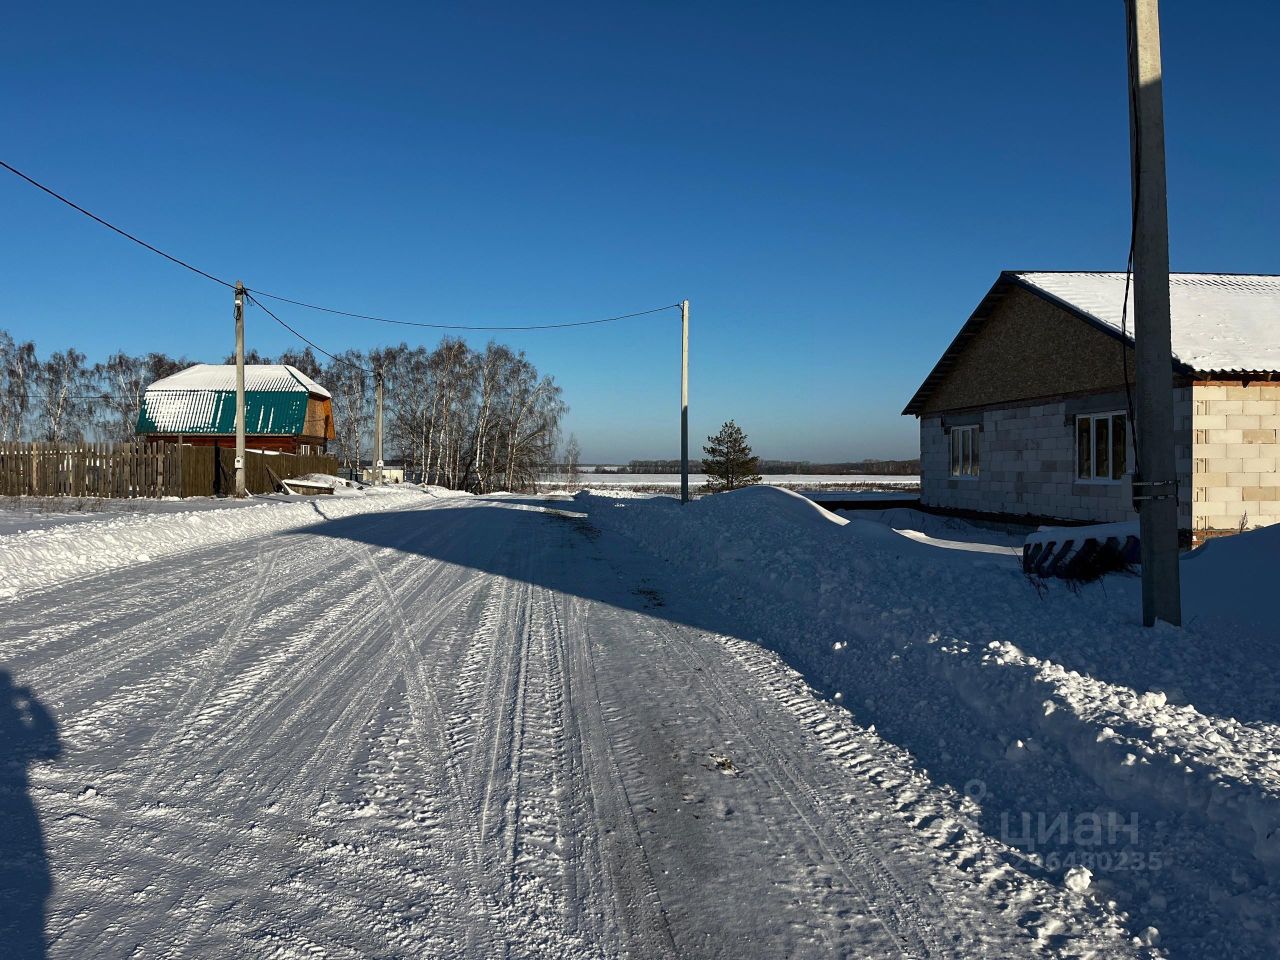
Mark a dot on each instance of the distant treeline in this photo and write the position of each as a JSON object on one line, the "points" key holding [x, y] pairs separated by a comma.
{"points": [[886, 468]]}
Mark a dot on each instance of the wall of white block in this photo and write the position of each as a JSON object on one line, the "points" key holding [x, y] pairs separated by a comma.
{"points": [[1027, 466]]}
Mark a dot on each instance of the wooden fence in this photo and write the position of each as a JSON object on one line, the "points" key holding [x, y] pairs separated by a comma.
{"points": [[141, 469]]}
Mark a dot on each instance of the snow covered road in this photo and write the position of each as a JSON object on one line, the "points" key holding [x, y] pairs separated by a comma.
{"points": [[470, 727]]}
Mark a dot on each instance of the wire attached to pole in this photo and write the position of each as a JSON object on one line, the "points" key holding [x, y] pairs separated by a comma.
{"points": [[111, 226], [310, 343], [462, 326], [313, 306]]}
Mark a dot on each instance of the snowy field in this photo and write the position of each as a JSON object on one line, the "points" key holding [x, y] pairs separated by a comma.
{"points": [[416, 724], [796, 481]]}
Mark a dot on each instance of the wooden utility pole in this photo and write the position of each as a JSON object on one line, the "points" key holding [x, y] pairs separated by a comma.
{"points": [[377, 426], [1155, 484], [240, 489], [684, 401]]}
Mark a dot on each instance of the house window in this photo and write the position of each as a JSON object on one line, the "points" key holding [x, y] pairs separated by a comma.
{"points": [[1102, 449], [964, 451]]}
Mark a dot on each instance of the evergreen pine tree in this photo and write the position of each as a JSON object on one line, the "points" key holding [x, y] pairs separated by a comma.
{"points": [[729, 463]]}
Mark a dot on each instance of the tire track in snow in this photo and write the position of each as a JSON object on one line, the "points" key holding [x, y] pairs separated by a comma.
{"points": [[170, 786], [171, 766], [558, 827], [341, 744], [632, 896], [427, 719], [888, 901], [859, 862], [79, 670], [315, 667]]}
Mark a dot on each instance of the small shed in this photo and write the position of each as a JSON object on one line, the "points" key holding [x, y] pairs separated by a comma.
{"points": [[285, 410], [392, 471]]}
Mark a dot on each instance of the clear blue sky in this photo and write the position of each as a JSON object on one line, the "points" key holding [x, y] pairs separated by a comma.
{"points": [[833, 185]]}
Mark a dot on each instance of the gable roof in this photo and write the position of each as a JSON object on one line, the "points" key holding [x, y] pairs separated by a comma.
{"points": [[260, 377], [1220, 323], [202, 399]]}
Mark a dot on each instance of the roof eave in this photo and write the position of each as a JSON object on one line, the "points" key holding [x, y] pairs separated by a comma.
{"points": [[970, 328], [1006, 279]]}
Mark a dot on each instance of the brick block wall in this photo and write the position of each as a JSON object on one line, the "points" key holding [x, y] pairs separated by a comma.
{"points": [[1028, 464], [1236, 435]]}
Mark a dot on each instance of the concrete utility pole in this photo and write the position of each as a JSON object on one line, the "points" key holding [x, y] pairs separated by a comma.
{"points": [[684, 401], [1155, 482], [240, 490], [377, 426]]}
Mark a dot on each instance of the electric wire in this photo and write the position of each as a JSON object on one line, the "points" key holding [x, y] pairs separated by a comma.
{"points": [[111, 226], [460, 326], [310, 343], [313, 306]]}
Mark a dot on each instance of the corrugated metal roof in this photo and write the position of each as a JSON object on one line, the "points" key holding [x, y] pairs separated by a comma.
{"points": [[264, 377], [277, 413], [1227, 323]]}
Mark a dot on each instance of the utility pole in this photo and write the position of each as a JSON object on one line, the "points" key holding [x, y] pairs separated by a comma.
{"points": [[1155, 485], [684, 401], [240, 490], [377, 426]]}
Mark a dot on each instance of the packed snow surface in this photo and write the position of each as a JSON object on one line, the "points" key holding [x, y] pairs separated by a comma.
{"points": [[607, 726]]}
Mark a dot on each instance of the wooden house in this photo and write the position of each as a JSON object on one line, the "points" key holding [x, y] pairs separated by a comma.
{"points": [[285, 410]]}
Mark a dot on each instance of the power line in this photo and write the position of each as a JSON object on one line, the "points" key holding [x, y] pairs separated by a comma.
{"points": [[460, 326], [313, 306], [310, 343], [112, 226]]}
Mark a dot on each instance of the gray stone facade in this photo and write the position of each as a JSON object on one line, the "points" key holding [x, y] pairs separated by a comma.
{"points": [[1027, 454]]}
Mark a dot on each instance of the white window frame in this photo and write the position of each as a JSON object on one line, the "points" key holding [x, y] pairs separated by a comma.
{"points": [[1109, 416], [964, 463]]}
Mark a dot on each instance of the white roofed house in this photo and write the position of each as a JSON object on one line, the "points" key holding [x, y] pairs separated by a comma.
{"points": [[285, 410], [1025, 416]]}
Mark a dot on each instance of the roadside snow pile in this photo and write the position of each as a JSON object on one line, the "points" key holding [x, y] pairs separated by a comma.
{"points": [[341, 486], [40, 558], [1232, 580], [1042, 700], [907, 519]]}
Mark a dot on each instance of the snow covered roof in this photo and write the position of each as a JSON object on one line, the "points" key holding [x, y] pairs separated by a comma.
{"points": [[266, 377], [1221, 322], [202, 399]]}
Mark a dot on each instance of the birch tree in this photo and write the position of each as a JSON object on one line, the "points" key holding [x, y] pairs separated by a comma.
{"points": [[17, 373], [66, 404], [350, 388]]}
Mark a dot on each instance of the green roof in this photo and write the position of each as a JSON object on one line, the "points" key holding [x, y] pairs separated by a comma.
{"points": [[267, 412]]}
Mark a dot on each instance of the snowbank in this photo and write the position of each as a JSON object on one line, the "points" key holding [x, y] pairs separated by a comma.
{"points": [[40, 558], [1232, 581]]}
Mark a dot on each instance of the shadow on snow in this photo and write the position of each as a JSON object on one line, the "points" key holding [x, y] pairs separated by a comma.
{"points": [[28, 734]]}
